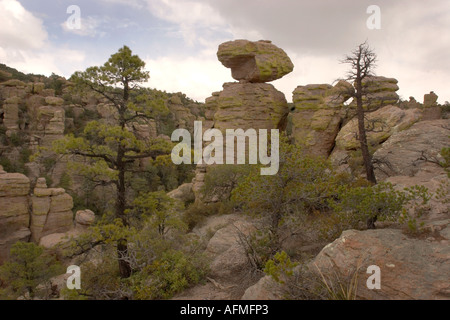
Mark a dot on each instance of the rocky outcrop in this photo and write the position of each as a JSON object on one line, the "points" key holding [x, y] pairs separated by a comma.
{"points": [[183, 193], [229, 266], [84, 218], [14, 211], [183, 116], [430, 100], [431, 109], [318, 115], [410, 268], [380, 91], [250, 105], [51, 211], [380, 125], [11, 113], [259, 61], [411, 151]]}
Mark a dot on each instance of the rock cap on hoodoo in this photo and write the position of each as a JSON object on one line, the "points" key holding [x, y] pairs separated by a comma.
{"points": [[259, 61]]}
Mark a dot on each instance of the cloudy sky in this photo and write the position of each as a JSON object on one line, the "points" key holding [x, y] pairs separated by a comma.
{"points": [[178, 39]]}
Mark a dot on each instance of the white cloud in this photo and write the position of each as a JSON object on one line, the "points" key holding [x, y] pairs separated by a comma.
{"points": [[88, 27], [19, 30], [196, 76], [24, 44], [192, 17]]}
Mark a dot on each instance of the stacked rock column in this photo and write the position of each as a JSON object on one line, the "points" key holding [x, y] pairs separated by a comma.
{"points": [[250, 103]]}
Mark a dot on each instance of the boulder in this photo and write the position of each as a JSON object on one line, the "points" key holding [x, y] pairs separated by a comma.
{"points": [[410, 268], [84, 218], [14, 184], [265, 289], [183, 193], [380, 125], [318, 115], [381, 91], [259, 61], [229, 258], [430, 100], [14, 83], [61, 203], [54, 101], [408, 152], [250, 105]]}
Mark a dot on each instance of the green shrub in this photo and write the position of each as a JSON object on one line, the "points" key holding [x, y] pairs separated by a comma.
{"points": [[25, 154], [280, 268], [65, 181], [359, 204], [302, 186], [17, 139], [220, 180], [168, 275], [27, 267]]}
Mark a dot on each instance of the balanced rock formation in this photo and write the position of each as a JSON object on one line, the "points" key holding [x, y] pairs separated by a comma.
{"points": [[431, 109], [318, 115], [84, 218], [259, 61], [250, 103], [430, 100], [14, 215]]}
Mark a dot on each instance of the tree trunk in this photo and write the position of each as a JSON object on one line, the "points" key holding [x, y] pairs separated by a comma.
{"points": [[122, 245], [367, 158], [122, 253]]}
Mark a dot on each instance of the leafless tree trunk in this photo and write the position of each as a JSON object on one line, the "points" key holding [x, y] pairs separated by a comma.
{"points": [[362, 61]]}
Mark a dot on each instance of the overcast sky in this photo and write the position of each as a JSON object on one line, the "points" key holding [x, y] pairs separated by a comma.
{"points": [[179, 39]]}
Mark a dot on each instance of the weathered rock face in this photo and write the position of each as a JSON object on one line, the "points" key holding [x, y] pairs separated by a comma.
{"points": [[51, 211], [11, 114], [380, 125], [183, 193], [318, 115], [410, 268], [84, 218], [51, 120], [183, 116], [249, 105], [410, 151], [14, 215], [430, 100], [259, 61], [381, 91]]}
